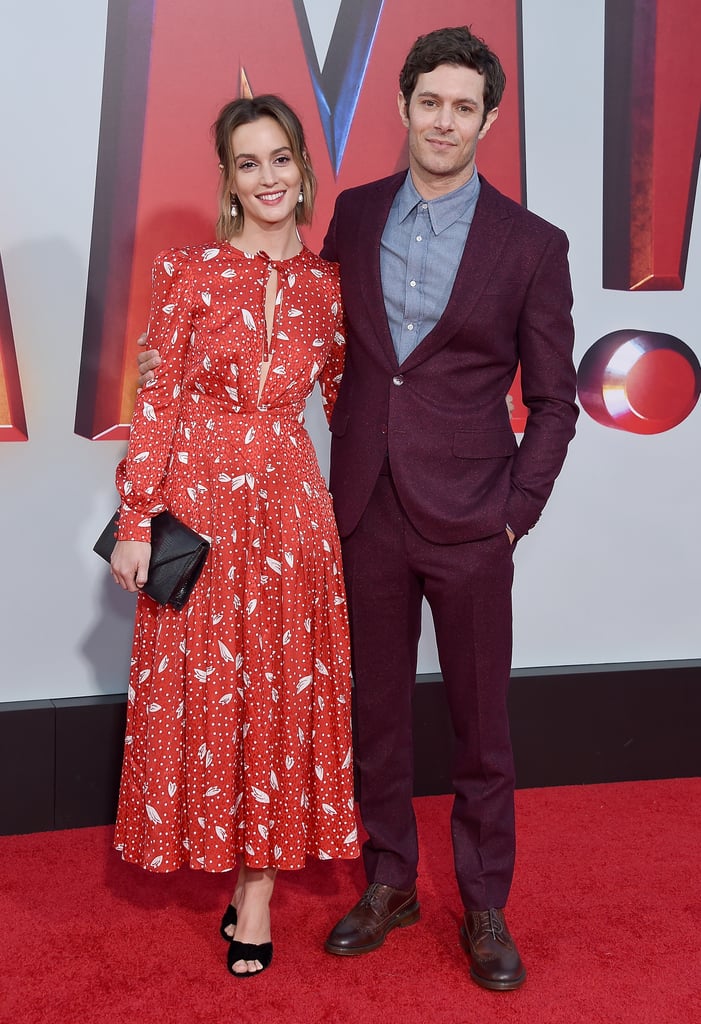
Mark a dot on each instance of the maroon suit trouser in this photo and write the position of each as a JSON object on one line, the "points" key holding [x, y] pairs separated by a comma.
{"points": [[389, 568]]}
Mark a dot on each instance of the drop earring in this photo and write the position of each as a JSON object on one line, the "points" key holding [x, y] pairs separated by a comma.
{"points": [[234, 205], [300, 197]]}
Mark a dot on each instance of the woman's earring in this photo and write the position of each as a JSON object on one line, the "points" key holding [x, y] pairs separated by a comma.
{"points": [[234, 205], [300, 198]]}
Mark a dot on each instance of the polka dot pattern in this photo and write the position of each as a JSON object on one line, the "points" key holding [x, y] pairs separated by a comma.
{"points": [[238, 718]]}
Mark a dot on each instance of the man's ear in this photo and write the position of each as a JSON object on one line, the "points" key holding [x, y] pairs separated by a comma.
{"points": [[488, 122], [403, 112]]}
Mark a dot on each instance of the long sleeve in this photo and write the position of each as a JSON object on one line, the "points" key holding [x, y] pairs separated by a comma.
{"points": [[330, 376], [141, 474]]}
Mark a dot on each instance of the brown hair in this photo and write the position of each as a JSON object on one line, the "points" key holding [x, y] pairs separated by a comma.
{"points": [[244, 111], [454, 46]]}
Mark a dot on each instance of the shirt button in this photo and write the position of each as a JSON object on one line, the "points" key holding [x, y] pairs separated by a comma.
{"points": [[412, 284], [410, 327], [424, 206], [419, 238], [398, 380]]}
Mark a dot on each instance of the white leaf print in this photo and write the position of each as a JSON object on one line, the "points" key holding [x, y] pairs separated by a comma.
{"points": [[316, 272], [246, 679], [274, 694], [238, 481], [269, 676], [226, 699], [183, 457], [347, 759], [281, 336], [277, 853], [250, 480], [291, 278], [200, 675], [294, 312], [276, 427], [213, 791], [131, 694], [209, 254], [300, 732], [239, 660], [246, 725], [320, 702], [237, 801], [200, 822], [168, 267], [251, 606], [273, 780], [206, 298], [250, 434], [351, 837], [192, 493], [164, 664], [202, 751], [323, 855], [263, 831], [152, 708], [339, 600], [289, 761], [248, 319], [279, 370], [141, 457], [172, 789], [260, 796], [153, 815], [169, 308], [286, 637], [308, 625], [209, 758], [334, 308], [289, 558], [304, 800], [319, 771], [233, 393], [128, 740], [156, 862], [321, 667], [224, 651], [318, 343], [307, 488], [207, 363], [303, 683], [181, 709], [249, 850], [221, 832], [229, 272], [328, 809], [128, 487]]}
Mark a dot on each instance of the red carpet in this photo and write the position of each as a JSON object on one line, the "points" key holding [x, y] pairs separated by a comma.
{"points": [[606, 907]]}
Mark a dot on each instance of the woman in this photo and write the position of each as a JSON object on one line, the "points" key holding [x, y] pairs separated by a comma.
{"points": [[238, 732]]}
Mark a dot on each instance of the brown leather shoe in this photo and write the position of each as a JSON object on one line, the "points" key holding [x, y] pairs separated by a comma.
{"points": [[495, 962], [380, 909]]}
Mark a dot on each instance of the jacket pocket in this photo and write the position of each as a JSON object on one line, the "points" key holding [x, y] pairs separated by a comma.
{"points": [[484, 444]]}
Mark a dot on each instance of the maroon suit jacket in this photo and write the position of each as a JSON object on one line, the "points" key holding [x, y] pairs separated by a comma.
{"points": [[442, 414]]}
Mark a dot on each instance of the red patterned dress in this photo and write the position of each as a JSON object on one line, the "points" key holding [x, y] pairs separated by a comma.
{"points": [[238, 718]]}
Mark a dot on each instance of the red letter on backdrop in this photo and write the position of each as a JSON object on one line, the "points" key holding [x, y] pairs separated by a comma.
{"points": [[169, 68], [652, 141], [13, 425]]}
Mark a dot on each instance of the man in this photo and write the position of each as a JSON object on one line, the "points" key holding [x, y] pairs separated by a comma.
{"points": [[448, 286]]}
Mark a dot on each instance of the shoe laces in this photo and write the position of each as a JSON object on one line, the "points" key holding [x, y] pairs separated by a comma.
{"points": [[489, 921]]}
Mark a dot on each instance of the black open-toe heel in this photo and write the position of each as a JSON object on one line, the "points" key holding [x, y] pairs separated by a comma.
{"points": [[248, 951], [230, 917]]}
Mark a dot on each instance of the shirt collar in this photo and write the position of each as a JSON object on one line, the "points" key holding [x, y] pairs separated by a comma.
{"points": [[444, 210]]}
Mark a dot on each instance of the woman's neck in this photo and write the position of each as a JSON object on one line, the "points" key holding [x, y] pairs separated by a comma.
{"points": [[280, 242]]}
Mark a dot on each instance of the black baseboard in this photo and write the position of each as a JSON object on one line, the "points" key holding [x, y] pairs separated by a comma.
{"points": [[60, 759]]}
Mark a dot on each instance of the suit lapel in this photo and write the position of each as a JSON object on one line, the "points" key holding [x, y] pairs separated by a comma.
{"points": [[490, 228], [372, 223]]}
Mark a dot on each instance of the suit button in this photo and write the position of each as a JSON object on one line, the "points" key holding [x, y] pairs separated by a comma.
{"points": [[398, 380]]}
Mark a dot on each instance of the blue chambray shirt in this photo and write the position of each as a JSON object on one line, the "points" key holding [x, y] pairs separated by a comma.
{"points": [[420, 252]]}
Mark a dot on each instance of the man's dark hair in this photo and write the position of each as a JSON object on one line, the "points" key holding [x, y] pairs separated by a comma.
{"points": [[454, 46]]}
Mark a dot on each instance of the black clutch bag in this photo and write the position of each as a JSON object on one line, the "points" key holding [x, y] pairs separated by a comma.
{"points": [[178, 555]]}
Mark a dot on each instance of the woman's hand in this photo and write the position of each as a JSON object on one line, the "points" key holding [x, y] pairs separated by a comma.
{"points": [[129, 564], [146, 361]]}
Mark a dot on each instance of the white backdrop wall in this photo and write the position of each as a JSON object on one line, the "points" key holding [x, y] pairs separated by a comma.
{"points": [[610, 574]]}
